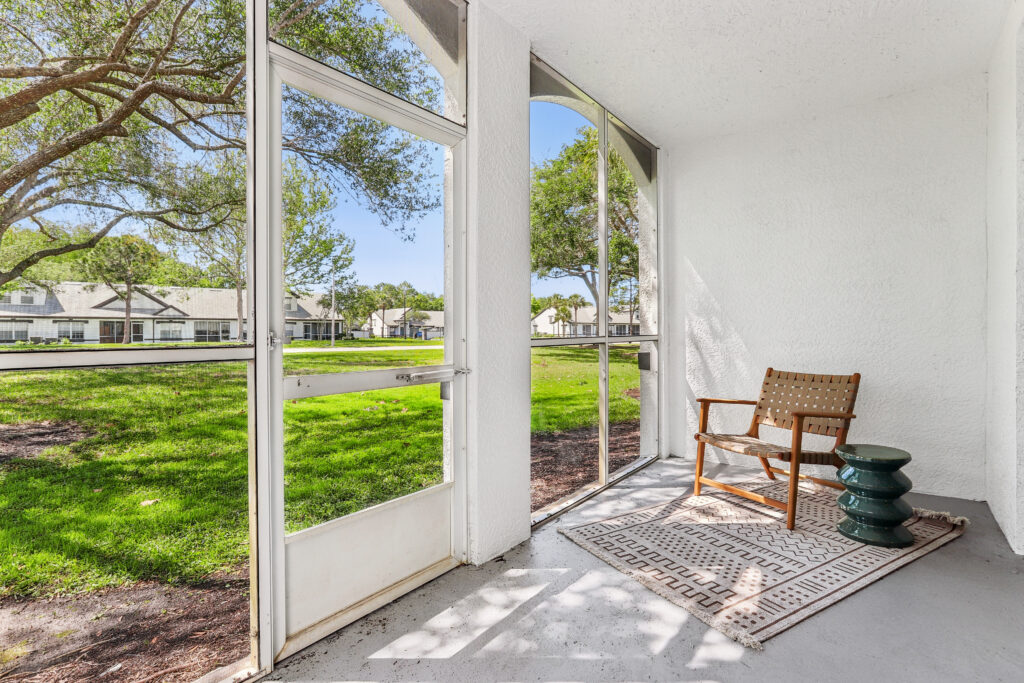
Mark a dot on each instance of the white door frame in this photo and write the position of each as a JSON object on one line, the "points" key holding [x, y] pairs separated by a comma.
{"points": [[282, 66]]}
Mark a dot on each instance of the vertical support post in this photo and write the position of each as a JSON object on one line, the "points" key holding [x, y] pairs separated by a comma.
{"points": [[602, 303], [276, 329], [266, 618]]}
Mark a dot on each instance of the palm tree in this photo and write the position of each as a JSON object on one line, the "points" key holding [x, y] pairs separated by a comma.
{"points": [[556, 301], [563, 316], [575, 302]]}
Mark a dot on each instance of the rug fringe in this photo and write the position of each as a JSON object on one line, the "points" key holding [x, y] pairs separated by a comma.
{"points": [[942, 516], [708, 618]]}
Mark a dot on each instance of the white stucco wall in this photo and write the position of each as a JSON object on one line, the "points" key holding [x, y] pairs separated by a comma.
{"points": [[1004, 467], [499, 286], [852, 241]]}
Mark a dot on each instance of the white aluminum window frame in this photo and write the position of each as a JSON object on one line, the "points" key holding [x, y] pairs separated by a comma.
{"points": [[75, 330], [604, 339], [14, 330]]}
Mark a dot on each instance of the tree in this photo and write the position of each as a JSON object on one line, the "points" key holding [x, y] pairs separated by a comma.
{"points": [[563, 316], [538, 304], [564, 215], [384, 295], [353, 304], [575, 302], [623, 299], [114, 113], [414, 317], [121, 263], [426, 301]]}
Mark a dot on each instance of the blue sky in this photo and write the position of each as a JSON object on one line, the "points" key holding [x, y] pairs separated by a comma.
{"points": [[382, 256]]}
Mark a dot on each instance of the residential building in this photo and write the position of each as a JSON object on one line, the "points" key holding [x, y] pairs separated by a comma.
{"points": [[90, 313], [405, 322], [583, 323]]}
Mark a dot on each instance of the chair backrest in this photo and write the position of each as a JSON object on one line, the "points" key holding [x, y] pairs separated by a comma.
{"points": [[784, 392]]}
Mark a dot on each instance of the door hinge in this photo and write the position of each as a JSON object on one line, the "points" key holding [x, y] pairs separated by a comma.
{"points": [[272, 340]]}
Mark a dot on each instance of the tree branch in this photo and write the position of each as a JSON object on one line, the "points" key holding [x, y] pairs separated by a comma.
{"points": [[121, 44], [29, 261]]}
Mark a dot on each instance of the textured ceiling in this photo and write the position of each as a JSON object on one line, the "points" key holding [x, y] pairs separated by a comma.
{"points": [[680, 70]]}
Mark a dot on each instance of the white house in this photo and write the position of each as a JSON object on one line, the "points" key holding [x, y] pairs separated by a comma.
{"points": [[405, 322], [583, 323], [90, 313]]}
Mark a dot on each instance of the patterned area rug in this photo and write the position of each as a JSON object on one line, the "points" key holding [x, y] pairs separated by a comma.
{"points": [[734, 565]]}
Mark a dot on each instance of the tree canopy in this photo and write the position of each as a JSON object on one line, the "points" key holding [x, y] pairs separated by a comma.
{"points": [[130, 114], [564, 215]]}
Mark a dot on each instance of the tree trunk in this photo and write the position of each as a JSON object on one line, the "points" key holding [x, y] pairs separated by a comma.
{"points": [[239, 308], [127, 337]]}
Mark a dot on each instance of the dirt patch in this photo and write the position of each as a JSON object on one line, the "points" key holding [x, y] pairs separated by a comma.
{"points": [[29, 439], [633, 393], [563, 462], [129, 633]]}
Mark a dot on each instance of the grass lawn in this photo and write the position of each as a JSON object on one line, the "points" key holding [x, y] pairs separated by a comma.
{"points": [[375, 341], [564, 387], [159, 488]]}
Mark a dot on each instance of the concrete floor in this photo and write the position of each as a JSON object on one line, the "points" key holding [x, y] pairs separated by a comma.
{"points": [[550, 611]]}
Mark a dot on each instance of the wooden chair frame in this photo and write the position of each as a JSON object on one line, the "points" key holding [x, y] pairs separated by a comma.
{"points": [[800, 424]]}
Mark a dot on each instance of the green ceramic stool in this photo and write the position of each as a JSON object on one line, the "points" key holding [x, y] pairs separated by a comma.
{"points": [[875, 512]]}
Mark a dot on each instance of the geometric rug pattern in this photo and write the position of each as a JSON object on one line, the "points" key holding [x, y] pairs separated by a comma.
{"points": [[733, 564]]}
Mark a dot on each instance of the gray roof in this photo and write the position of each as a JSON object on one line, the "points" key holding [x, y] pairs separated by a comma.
{"points": [[92, 300], [588, 314], [396, 316]]}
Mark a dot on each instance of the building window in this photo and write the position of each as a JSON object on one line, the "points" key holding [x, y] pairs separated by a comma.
{"points": [[75, 331], [13, 331], [28, 299], [212, 331], [170, 332], [5, 298]]}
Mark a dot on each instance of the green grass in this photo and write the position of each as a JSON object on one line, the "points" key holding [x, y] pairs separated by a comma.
{"points": [[375, 341], [73, 520], [348, 452], [297, 343], [564, 387], [314, 363]]}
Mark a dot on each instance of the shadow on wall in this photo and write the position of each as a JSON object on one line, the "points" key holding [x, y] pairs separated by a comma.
{"points": [[719, 364]]}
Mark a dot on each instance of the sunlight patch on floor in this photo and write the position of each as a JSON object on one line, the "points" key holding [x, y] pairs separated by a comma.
{"points": [[448, 633]]}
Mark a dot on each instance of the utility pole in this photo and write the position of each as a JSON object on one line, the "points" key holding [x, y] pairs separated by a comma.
{"points": [[333, 306]]}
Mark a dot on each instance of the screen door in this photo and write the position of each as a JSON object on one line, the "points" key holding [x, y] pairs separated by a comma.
{"points": [[366, 368]]}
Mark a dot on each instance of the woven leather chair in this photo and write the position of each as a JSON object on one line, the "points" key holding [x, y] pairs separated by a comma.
{"points": [[816, 404]]}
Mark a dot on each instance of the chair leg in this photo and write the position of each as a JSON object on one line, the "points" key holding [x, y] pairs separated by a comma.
{"points": [[767, 468], [794, 489], [700, 468]]}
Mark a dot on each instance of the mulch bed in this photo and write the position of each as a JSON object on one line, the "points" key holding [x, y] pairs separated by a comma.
{"points": [[563, 462], [29, 439], [148, 631]]}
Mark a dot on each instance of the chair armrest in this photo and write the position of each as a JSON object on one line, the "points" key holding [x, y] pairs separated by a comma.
{"points": [[727, 400], [705, 408], [821, 413]]}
